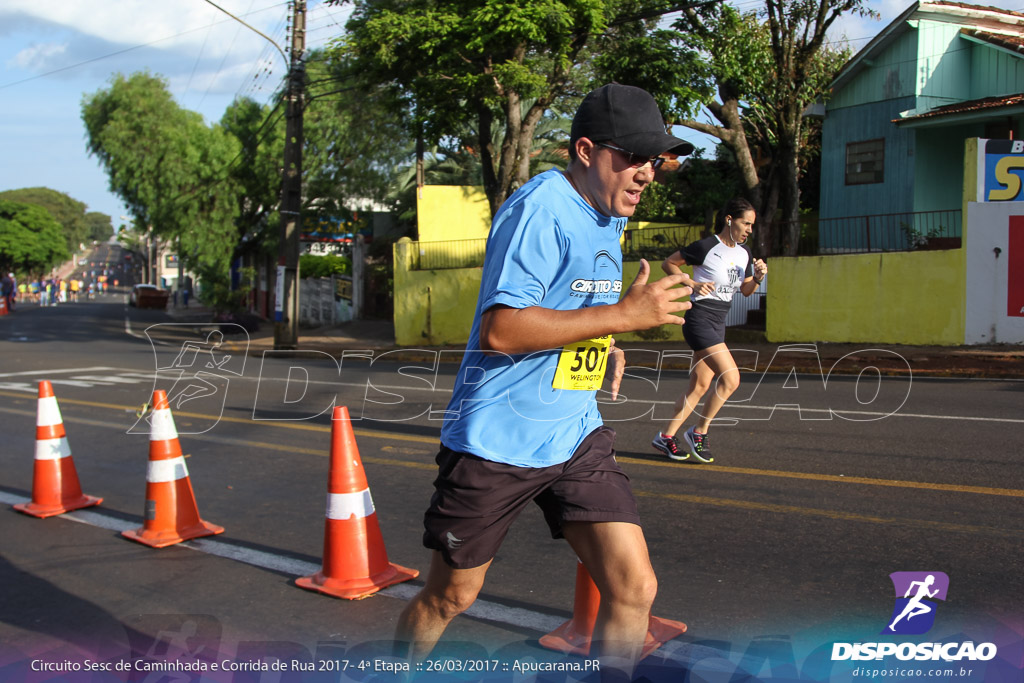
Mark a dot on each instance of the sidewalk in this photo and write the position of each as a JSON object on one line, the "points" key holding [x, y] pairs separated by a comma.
{"points": [[1003, 361]]}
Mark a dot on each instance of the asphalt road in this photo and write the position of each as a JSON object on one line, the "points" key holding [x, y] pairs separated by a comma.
{"points": [[784, 546]]}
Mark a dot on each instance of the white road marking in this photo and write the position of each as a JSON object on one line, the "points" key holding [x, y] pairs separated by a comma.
{"points": [[126, 377], [481, 609], [57, 372]]}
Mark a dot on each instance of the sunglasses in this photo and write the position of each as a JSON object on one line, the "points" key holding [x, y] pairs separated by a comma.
{"points": [[635, 160]]}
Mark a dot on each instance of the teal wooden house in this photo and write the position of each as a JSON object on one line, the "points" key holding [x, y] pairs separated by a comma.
{"points": [[900, 110]]}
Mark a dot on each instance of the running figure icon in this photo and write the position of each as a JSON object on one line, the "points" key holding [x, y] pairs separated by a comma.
{"points": [[916, 607]]}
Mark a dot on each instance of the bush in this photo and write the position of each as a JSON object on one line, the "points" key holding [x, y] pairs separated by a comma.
{"points": [[327, 265]]}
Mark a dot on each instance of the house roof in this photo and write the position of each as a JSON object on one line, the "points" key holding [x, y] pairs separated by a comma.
{"points": [[985, 107], [988, 24], [1013, 43]]}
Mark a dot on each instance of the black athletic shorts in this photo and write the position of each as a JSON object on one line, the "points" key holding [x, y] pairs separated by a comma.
{"points": [[704, 325], [475, 501]]}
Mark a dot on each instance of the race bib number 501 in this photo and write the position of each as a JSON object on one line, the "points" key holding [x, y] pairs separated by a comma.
{"points": [[581, 365]]}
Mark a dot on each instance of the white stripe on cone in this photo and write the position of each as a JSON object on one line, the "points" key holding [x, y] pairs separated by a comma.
{"points": [[48, 412], [162, 471], [347, 505], [162, 426], [52, 449]]}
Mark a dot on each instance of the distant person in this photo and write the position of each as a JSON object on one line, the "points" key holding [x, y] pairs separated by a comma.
{"points": [[7, 290], [721, 267]]}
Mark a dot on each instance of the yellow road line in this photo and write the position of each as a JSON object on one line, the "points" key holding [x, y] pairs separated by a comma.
{"points": [[714, 469], [830, 514], [279, 423], [956, 488], [323, 452]]}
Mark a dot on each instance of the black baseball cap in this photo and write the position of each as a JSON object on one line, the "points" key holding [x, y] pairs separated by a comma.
{"points": [[627, 116]]}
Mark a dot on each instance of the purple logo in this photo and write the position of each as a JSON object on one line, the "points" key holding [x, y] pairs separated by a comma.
{"points": [[914, 612]]}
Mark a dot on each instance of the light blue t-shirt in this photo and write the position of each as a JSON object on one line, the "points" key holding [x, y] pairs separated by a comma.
{"points": [[549, 248]]}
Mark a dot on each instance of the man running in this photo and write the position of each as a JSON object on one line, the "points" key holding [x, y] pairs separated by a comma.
{"points": [[517, 428]]}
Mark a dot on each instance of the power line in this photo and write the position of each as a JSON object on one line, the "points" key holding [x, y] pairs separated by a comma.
{"points": [[255, 30], [220, 67], [117, 52]]}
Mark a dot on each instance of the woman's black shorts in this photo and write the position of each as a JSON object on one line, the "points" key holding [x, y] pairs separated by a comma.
{"points": [[704, 326]]}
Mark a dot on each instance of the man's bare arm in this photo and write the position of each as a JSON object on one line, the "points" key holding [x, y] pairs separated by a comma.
{"points": [[645, 305]]}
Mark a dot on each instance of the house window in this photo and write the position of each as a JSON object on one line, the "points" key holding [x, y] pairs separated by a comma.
{"points": [[865, 162]]}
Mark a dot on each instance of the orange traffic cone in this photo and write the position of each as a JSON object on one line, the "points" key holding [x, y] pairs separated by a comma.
{"points": [[355, 562], [55, 487], [171, 513], [574, 636]]}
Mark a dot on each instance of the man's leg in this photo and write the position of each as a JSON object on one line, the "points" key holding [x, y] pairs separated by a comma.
{"points": [[615, 555], [448, 592]]}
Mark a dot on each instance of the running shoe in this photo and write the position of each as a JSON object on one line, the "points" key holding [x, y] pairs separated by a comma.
{"points": [[698, 445], [669, 446]]}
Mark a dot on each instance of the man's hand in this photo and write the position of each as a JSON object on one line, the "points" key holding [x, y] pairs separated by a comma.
{"points": [[524, 330], [648, 305]]}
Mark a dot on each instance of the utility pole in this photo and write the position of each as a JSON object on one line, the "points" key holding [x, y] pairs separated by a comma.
{"points": [[286, 304]]}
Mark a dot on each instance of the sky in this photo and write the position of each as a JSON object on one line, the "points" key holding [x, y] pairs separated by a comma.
{"points": [[55, 54]]}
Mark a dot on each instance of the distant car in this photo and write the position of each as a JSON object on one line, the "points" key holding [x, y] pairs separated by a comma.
{"points": [[148, 296]]}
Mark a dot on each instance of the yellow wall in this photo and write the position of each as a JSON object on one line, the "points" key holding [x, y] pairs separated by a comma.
{"points": [[657, 334], [432, 307], [891, 298], [914, 297], [436, 307], [450, 212], [896, 298]]}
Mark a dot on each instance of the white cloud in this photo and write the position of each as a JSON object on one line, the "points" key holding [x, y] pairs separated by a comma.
{"points": [[167, 24], [33, 55]]}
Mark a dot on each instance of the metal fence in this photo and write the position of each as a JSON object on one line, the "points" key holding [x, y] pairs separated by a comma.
{"points": [[449, 254], [852, 235], [743, 305], [651, 243], [656, 243], [881, 232]]}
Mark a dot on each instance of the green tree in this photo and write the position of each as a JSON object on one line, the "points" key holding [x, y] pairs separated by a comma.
{"points": [[31, 240], [69, 212], [765, 68], [170, 169], [354, 138], [472, 65], [312, 265], [692, 193], [98, 226], [259, 130]]}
